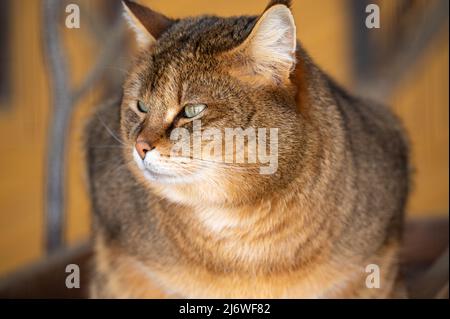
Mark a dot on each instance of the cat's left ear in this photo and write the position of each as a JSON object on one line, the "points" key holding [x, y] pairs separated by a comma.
{"points": [[270, 48], [147, 24]]}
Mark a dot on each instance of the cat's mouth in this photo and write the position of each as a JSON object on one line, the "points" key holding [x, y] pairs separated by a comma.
{"points": [[162, 170]]}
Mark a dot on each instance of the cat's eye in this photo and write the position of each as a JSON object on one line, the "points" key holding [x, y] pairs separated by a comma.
{"points": [[142, 107], [192, 110]]}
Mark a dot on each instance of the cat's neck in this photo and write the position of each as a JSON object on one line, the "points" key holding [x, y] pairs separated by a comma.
{"points": [[268, 233]]}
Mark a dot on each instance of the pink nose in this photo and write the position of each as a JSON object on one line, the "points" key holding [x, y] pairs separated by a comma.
{"points": [[142, 148]]}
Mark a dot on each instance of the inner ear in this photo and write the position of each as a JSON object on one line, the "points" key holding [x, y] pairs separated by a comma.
{"points": [[148, 24], [269, 52]]}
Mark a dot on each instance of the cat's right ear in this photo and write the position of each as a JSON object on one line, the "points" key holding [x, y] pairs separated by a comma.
{"points": [[147, 24]]}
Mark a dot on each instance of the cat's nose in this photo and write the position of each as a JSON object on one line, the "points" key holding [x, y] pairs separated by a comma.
{"points": [[142, 148]]}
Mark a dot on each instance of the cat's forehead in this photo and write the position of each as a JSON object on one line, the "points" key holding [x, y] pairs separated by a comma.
{"points": [[185, 45], [206, 34]]}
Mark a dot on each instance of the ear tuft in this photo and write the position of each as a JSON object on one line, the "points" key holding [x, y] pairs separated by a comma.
{"points": [[147, 24], [287, 3]]}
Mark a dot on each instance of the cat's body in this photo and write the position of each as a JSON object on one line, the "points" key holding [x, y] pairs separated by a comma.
{"points": [[334, 207]]}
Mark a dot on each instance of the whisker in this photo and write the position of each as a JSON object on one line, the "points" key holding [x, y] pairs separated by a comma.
{"points": [[217, 162], [116, 169], [110, 146], [110, 131], [116, 69], [103, 163], [199, 163], [225, 165]]}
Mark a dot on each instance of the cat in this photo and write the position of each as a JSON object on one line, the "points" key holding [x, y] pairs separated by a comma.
{"points": [[201, 227]]}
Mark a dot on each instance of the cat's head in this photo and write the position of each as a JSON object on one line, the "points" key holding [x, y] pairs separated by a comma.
{"points": [[209, 106]]}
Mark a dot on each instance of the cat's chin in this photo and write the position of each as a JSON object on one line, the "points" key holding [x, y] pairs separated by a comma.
{"points": [[153, 175], [167, 179]]}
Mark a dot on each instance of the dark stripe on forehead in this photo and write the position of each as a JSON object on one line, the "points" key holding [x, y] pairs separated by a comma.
{"points": [[155, 71]]}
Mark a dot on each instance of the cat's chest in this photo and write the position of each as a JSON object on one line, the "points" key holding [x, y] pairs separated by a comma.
{"points": [[195, 281], [242, 234]]}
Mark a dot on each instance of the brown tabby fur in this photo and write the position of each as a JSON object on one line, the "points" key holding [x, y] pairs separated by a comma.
{"points": [[334, 205]]}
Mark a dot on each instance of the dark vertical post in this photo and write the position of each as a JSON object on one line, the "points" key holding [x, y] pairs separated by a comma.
{"points": [[362, 48], [5, 72], [60, 114]]}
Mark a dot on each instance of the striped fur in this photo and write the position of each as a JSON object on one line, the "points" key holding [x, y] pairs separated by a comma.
{"points": [[334, 206]]}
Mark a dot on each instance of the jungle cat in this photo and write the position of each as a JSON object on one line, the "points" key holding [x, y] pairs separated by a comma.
{"points": [[200, 227]]}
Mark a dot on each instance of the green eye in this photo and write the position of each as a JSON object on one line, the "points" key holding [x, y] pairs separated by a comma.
{"points": [[142, 107], [192, 110]]}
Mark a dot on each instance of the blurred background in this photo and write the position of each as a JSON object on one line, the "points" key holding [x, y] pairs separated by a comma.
{"points": [[53, 77]]}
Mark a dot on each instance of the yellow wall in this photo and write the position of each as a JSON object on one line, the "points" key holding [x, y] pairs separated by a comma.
{"points": [[322, 27], [422, 102], [22, 132]]}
